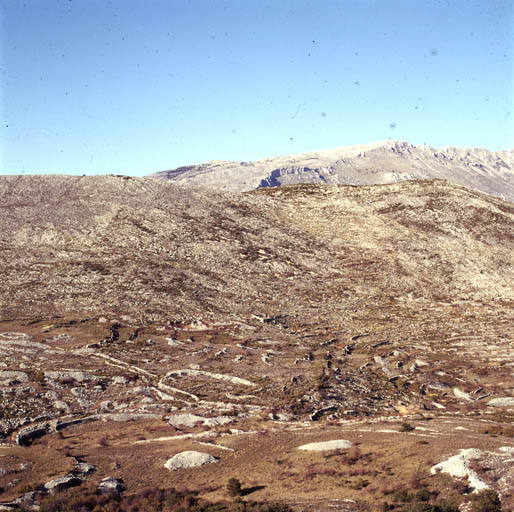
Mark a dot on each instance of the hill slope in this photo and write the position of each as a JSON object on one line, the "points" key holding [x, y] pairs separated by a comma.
{"points": [[139, 319], [381, 162], [144, 247]]}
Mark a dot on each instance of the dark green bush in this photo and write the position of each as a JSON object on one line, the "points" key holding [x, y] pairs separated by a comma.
{"points": [[486, 501], [234, 487]]}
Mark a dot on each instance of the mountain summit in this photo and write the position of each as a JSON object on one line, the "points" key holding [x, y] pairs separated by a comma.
{"points": [[379, 162]]}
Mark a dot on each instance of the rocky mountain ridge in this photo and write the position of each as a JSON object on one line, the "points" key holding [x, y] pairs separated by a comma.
{"points": [[381, 162]]}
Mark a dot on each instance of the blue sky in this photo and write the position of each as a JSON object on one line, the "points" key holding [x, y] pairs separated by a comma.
{"points": [[138, 86]]}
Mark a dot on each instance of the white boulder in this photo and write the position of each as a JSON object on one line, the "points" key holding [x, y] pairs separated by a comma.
{"points": [[189, 459], [337, 444], [190, 420], [502, 402], [460, 466]]}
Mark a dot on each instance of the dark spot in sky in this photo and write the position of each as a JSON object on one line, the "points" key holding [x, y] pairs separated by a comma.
{"points": [[7, 126], [234, 130], [356, 83], [434, 52], [356, 54], [323, 114], [392, 126], [313, 41], [290, 138]]}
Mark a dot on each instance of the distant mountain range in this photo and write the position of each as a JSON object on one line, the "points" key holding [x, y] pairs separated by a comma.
{"points": [[380, 162]]}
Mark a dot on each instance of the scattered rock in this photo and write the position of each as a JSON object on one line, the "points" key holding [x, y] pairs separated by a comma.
{"points": [[120, 380], [280, 417], [74, 375], [62, 406], [316, 415], [189, 459], [12, 377], [106, 404]]}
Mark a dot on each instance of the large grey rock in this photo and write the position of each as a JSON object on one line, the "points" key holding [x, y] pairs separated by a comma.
{"points": [[111, 485], [189, 459], [65, 482], [502, 402], [26, 435], [83, 468], [62, 406], [190, 420]]}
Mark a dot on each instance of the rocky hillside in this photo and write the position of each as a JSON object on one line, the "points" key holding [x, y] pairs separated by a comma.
{"points": [[143, 247], [146, 327], [382, 162]]}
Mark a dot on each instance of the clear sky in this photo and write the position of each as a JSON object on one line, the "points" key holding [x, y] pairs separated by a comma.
{"points": [[138, 86]]}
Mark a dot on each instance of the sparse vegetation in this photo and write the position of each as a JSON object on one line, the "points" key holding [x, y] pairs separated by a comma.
{"points": [[148, 500]]}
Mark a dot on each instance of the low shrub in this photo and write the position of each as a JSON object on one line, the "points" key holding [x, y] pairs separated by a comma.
{"points": [[486, 500], [147, 500], [234, 487]]}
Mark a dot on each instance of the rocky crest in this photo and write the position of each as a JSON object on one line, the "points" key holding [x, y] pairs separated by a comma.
{"points": [[381, 162]]}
